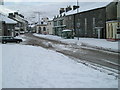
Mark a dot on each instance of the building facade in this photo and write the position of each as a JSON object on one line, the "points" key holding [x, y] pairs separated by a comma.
{"points": [[7, 26], [59, 25], [90, 23], [118, 10], [41, 28], [113, 21], [22, 24]]}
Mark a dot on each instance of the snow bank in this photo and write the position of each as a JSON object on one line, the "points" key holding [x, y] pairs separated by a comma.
{"points": [[102, 44], [21, 37], [48, 36], [35, 67]]}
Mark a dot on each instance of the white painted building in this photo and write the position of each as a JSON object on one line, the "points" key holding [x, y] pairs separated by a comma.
{"points": [[42, 28], [45, 26]]}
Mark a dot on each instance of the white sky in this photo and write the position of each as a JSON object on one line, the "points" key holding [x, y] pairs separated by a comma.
{"points": [[57, 0]]}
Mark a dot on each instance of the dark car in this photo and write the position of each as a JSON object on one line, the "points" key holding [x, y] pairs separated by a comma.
{"points": [[6, 39]]}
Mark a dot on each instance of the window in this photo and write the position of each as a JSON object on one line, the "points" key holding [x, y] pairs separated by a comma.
{"points": [[44, 28], [93, 25], [118, 31]]}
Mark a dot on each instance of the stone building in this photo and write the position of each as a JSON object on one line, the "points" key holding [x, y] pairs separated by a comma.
{"points": [[59, 25], [22, 24], [91, 23], [7, 27]]}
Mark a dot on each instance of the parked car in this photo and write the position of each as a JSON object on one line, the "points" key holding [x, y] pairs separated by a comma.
{"points": [[6, 39]]}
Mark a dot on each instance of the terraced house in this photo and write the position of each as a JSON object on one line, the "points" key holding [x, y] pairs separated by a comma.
{"points": [[7, 26], [21, 25], [90, 19]]}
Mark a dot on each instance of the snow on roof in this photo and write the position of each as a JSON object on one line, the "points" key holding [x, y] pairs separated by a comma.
{"points": [[5, 11], [32, 25], [86, 6], [7, 20], [66, 30]]}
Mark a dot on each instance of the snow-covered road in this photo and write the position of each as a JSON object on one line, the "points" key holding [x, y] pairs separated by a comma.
{"points": [[27, 66]]}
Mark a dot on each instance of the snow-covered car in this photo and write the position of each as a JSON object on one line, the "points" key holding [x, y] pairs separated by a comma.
{"points": [[6, 39]]}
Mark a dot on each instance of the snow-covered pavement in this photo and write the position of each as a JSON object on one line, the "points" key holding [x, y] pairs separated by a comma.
{"points": [[27, 66], [102, 44]]}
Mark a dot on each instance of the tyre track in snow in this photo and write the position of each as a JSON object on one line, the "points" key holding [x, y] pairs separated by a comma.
{"points": [[109, 60]]}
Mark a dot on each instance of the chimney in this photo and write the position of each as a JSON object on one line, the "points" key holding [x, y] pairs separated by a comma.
{"points": [[61, 10], [16, 13], [11, 15], [68, 8], [21, 15], [75, 7]]}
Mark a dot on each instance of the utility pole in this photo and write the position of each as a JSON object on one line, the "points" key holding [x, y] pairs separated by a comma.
{"points": [[77, 13], [38, 17]]}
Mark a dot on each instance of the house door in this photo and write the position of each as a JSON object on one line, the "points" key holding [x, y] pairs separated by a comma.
{"points": [[99, 32], [39, 31]]}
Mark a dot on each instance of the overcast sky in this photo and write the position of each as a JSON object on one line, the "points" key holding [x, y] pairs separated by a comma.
{"points": [[46, 8]]}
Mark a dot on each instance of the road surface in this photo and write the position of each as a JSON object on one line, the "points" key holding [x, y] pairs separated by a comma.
{"points": [[106, 59]]}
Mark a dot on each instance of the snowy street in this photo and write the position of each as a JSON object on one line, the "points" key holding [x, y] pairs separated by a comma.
{"points": [[96, 56], [66, 44], [26, 66]]}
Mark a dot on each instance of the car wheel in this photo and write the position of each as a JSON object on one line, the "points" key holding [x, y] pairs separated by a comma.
{"points": [[18, 42], [4, 42]]}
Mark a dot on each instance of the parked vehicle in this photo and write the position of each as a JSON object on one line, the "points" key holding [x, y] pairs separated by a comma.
{"points": [[67, 34], [6, 39]]}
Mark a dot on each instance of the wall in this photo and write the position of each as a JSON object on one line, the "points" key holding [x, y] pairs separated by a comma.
{"points": [[59, 25], [118, 10], [86, 23], [112, 30], [111, 11]]}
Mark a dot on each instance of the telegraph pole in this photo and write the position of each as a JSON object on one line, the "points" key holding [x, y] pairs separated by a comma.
{"points": [[77, 13], [38, 18]]}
